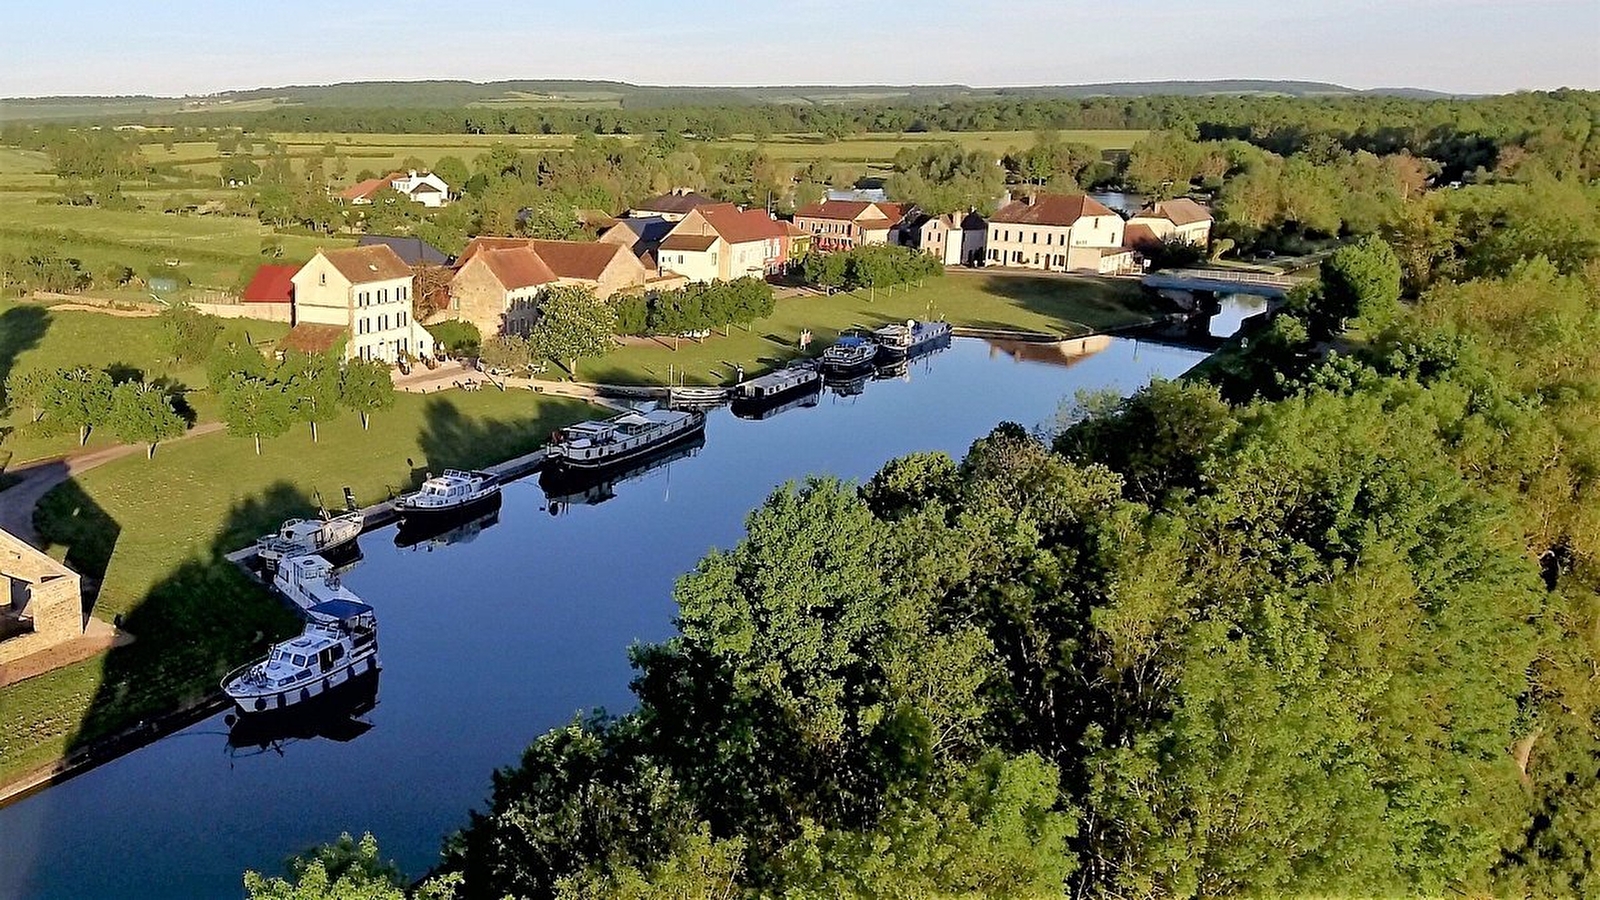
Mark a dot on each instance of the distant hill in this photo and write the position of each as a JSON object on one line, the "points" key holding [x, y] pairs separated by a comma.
{"points": [[570, 93]]}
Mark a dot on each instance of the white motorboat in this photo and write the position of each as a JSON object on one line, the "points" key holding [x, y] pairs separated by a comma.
{"points": [[309, 582], [454, 493], [340, 643], [300, 537], [606, 442], [911, 338], [850, 352]]}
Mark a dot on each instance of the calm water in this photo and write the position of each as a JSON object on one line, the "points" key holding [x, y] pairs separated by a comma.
{"points": [[490, 641]]}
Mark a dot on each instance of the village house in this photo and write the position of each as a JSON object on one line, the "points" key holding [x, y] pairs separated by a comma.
{"points": [[1179, 219], [955, 239], [1057, 233], [423, 187], [671, 206], [844, 224], [497, 289], [41, 600], [723, 242], [414, 251], [642, 235], [270, 293], [365, 294]]}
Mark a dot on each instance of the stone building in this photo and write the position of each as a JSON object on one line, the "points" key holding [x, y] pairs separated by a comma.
{"points": [[42, 604]]}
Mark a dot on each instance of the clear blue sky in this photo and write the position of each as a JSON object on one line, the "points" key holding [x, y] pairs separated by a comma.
{"points": [[185, 47]]}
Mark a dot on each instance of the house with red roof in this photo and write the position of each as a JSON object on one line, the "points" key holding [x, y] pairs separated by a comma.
{"points": [[844, 224], [365, 294], [723, 242], [423, 187], [270, 294], [497, 289], [1057, 233]]}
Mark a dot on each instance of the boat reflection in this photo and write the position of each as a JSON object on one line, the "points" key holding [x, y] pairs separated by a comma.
{"points": [[851, 386], [756, 410], [337, 715], [430, 534], [564, 487]]}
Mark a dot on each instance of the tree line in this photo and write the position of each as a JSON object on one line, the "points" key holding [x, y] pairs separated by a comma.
{"points": [[695, 308]]}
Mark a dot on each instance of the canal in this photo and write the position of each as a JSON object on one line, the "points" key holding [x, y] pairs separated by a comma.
{"points": [[491, 640]]}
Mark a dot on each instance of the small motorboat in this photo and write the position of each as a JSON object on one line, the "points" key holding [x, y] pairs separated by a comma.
{"points": [[849, 353], [310, 581], [437, 531], [300, 537], [339, 643], [455, 494], [609, 442]]}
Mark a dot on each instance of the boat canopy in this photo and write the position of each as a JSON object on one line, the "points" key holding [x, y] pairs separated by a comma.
{"points": [[341, 609], [850, 340]]}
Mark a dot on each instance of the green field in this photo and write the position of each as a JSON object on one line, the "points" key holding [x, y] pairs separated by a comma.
{"points": [[155, 530], [1064, 305]]}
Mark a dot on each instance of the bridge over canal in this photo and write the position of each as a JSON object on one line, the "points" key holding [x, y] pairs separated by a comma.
{"points": [[1221, 281]]}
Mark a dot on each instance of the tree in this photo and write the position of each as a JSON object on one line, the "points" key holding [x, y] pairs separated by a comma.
{"points": [[366, 387], [142, 413], [1362, 279], [572, 325], [34, 389], [345, 870], [82, 400], [190, 334], [256, 407], [453, 171], [313, 388], [506, 353]]}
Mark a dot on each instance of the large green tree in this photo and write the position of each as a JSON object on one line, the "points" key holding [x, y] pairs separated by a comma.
{"points": [[573, 325]]}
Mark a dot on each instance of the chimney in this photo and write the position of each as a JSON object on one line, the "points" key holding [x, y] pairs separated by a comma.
{"points": [[1005, 198]]}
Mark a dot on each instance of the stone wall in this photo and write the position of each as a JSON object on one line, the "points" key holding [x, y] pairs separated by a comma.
{"points": [[266, 312], [36, 590]]}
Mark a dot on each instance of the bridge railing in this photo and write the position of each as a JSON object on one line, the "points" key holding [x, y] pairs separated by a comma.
{"points": [[1231, 275]]}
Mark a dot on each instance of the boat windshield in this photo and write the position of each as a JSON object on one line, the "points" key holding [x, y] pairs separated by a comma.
{"points": [[299, 660]]}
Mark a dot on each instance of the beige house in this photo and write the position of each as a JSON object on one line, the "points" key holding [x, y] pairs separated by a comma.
{"points": [[843, 224], [723, 242], [955, 239], [41, 601], [1057, 233], [366, 291], [1180, 219], [497, 289]]}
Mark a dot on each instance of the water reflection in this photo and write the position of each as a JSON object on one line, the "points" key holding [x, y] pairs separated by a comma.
{"points": [[439, 531], [1058, 353], [337, 715], [566, 487]]}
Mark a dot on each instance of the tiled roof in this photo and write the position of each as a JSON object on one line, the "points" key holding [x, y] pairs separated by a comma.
{"points": [[1138, 234], [841, 210], [270, 284], [1178, 211], [517, 267], [585, 260], [479, 244], [364, 188], [376, 262], [694, 243], [741, 226], [415, 251], [674, 203], [1050, 209], [308, 338]]}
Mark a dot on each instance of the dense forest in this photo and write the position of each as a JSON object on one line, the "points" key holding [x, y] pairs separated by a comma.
{"points": [[1321, 619]]}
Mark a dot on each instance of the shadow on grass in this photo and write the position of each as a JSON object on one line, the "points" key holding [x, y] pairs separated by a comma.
{"points": [[201, 620], [450, 439], [70, 518], [1090, 300], [21, 329]]}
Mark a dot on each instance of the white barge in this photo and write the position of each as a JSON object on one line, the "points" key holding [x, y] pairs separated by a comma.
{"points": [[910, 339], [300, 537]]}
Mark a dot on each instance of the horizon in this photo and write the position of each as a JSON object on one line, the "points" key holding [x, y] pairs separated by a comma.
{"points": [[185, 50]]}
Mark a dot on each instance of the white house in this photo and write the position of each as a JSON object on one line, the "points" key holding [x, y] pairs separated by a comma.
{"points": [[1179, 219], [423, 187], [367, 292], [956, 239], [1058, 233]]}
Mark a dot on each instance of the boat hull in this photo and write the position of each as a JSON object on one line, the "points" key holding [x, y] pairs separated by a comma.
{"points": [[417, 530], [456, 513], [772, 404], [330, 714], [628, 457], [566, 486]]}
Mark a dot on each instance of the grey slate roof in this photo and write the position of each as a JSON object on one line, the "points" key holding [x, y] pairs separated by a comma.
{"points": [[415, 251]]}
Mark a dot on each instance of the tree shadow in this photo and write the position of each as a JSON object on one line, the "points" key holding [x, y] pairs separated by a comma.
{"points": [[21, 329], [68, 517], [1095, 301], [122, 373], [204, 618], [178, 395], [452, 440]]}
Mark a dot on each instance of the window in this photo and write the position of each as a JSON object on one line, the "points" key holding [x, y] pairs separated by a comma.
{"points": [[1036, 237], [322, 279], [996, 235], [402, 293]]}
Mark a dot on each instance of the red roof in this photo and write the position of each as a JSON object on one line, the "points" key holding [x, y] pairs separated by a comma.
{"points": [[586, 260], [308, 338], [271, 284], [364, 188], [738, 226], [1050, 209]]}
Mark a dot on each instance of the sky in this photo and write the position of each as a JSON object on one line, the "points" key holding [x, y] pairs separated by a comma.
{"points": [[183, 47]]}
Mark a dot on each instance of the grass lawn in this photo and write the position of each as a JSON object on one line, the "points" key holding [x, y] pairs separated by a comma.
{"points": [[156, 530], [1064, 305], [33, 336]]}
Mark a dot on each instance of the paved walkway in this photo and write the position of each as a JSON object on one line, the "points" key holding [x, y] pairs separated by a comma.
{"points": [[37, 478]]}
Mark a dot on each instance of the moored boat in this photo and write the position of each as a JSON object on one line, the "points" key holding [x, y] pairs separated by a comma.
{"points": [[299, 537], [436, 531], [609, 442], [310, 581], [849, 353], [455, 494], [564, 487], [339, 643], [759, 397], [897, 340]]}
